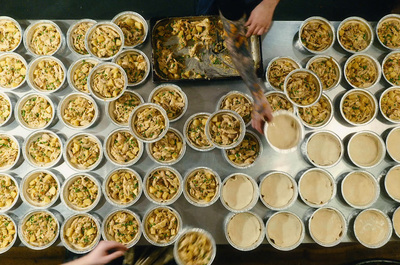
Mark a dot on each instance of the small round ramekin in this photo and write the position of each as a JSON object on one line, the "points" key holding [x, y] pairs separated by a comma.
{"points": [[16, 183], [21, 33], [336, 65], [71, 30], [254, 196], [318, 84], [377, 68], [178, 90], [358, 20], [294, 62], [362, 190], [316, 187], [107, 181], [74, 66], [25, 218], [259, 153], [68, 145], [162, 202], [282, 95], [368, 95], [284, 225], [7, 98], [326, 121], [233, 93], [294, 187], [33, 137], [135, 16], [245, 228], [99, 67], [186, 129], [92, 29], [29, 32], [387, 17], [300, 132], [393, 88], [380, 146], [330, 134], [230, 113], [326, 227], [138, 52], [149, 151], [132, 122], [396, 222], [322, 21], [145, 227], [23, 100], [25, 185], [393, 142], [189, 198], [110, 215], [370, 227], [391, 187], [12, 139], [110, 107], [385, 60], [17, 56], [65, 226], [64, 193], [196, 231], [11, 219]]}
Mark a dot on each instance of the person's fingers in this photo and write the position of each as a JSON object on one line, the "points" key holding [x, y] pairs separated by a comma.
{"points": [[251, 30], [258, 125], [113, 256], [106, 245], [260, 31]]}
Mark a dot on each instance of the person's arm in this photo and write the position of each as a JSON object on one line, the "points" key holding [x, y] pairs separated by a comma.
{"points": [[260, 18], [105, 252]]}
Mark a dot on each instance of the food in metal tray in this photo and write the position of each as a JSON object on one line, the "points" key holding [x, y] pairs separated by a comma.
{"points": [[81, 75], [79, 112], [8, 192], [390, 104], [48, 74], [389, 32], [354, 35], [107, 81], [302, 88], [124, 106], [82, 192], [37, 112], [171, 100], [104, 41], [240, 104], [361, 71], [44, 149], [279, 101], [162, 225], [195, 248], [12, 72], [45, 40], [81, 232], [134, 64], [83, 151], [42, 188], [10, 35], [278, 71], [316, 35], [358, 108], [246, 152], [317, 114], [78, 37], [202, 186], [123, 187], [163, 185], [39, 229], [196, 132], [5, 109], [122, 227], [169, 148], [132, 28], [149, 123], [122, 147], [8, 151], [391, 69], [327, 71], [7, 232], [225, 129]]}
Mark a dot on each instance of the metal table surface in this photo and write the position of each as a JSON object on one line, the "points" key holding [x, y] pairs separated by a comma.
{"points": [[203, 97]]}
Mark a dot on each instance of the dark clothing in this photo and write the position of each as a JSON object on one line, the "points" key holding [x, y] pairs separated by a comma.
{"points": [[231, 9]]}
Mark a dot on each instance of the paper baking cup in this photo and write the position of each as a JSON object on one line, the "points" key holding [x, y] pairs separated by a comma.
{"points": [[138, 52], [387, 17], [396, 225], [146, 230], [65, 225], [190, 199], [64, 193], [106, 191], [367, 94], [99, 67], [110, 107], [68, 145], [109, 157], [376, 189], [393, 88], [325, 122], [230, 94], [25, 185], [282, 95], [178, 90], [25, 218], [149, 151], [341, 235], [74, 66], [388, 185], [323, 21], [198, 231], [162, 202], [294, 62], [7, 98], [377, 67], [18, 57], [186, 131], [29, 32], [253, 201], [16, 182], [387, 57], [132, 122], [336, 65], [89, 34], [12, 138], [69, 35], [389, 146], [5, 249], [136, 16], [387, 236], [110, 215], [381, 148], [34, 137], [260, 239], [19, 28], [288, 248], [331, 180], [290, 202], [361, 21]]}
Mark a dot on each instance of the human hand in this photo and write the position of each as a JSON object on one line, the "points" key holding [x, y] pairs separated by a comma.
{"points": [[260, 18], [262, 112]]}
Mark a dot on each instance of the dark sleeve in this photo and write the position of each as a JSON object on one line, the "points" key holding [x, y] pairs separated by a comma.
{"points": [[232, 9]]}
